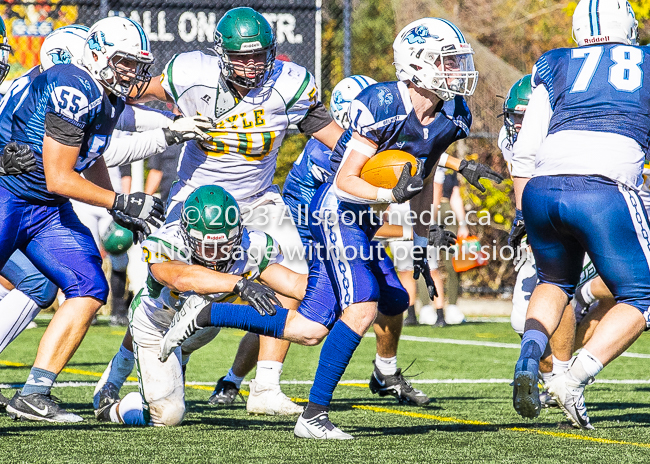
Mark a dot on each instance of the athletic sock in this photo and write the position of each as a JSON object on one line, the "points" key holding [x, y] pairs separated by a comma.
{"points": [[17, 310], [231, 377], [533, 344], [313, 409], [268, 372], [585, 366], [560, 367], [121, 367], [410, 312], [440, 313], [334, 358], [243, 317], [546, 377], [131, 411], [387, 366], [39, 381]]}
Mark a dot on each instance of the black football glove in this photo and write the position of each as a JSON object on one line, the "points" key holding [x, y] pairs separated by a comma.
{"points": [[259, 296], [440, 237], [517, 231], [139, 227], [186, 129], [421, 267], [473, 172], [141, 206], [408, 186], [17, 159]]}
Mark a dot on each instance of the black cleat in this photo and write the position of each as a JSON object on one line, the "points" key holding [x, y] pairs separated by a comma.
{"points": [[4, 401], [411, 320], [225, 393], [39, 407], [396, 385], [108, 396]]}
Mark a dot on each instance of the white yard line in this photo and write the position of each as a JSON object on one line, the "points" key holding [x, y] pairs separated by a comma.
{"points": [[516, 346]]}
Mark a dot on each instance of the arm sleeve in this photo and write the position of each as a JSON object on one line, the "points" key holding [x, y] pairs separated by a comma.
{"points": [[533, 132], [63, 131], [134, 147], [316, 119], [303, 92], [139, 118], [439, 176]]}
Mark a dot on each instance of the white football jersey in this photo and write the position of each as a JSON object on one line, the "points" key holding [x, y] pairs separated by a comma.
{"points": [[259, 251], [242, 155]]}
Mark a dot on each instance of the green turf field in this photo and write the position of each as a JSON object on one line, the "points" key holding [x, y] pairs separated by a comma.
{"points": [[467, 422]]}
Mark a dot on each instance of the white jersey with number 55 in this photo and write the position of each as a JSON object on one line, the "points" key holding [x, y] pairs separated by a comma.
{"points": [[242, 155]]}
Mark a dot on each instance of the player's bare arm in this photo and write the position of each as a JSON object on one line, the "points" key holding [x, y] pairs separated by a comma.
{"points": [[155, 91], [181, 277], [58, 163], [348, 178], [285, 281], [329, 134]]}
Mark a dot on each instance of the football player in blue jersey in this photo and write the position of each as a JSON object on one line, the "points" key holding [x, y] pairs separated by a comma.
{"points": [[422, 114], [66, 119], [586, 127]]}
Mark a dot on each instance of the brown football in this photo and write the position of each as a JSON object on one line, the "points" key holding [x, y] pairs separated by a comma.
{"points": [[383, 169]]}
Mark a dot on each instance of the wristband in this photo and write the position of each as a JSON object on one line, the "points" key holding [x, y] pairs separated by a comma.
{"points": [[443, 160], [420, 241], [385, 195]]}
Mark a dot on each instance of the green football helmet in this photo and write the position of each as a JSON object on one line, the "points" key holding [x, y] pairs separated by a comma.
{"points": [[241, 34], [117, 240], [211, 227], [5, 49], [515, 106]]}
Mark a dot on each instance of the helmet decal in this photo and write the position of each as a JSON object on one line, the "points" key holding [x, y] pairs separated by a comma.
{"points": [[60, 56], [418, 34], [97, 41]]}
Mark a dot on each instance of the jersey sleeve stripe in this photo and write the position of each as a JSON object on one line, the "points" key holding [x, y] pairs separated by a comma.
{"points": [[302, 88], [170, 80], [267, 252]]}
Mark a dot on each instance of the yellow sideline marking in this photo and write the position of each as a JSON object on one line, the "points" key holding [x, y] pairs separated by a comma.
{"points": [[348, 384], [513, 429], [420, 415]]}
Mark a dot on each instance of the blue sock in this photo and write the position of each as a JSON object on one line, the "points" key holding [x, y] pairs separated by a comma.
{"points": [[533, 344], [245, 317], [39, 381], [334, 358], [121, 367]]}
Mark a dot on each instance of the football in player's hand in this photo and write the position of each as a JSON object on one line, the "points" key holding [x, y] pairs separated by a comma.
{"points": [[384, 169]]}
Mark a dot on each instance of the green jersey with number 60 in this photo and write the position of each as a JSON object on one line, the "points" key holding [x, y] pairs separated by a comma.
{"points": [[242, 155]]}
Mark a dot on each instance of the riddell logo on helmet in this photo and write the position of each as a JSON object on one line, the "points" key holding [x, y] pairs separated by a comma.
{"points": [[250, 46], [595, 40], [215, 237]]}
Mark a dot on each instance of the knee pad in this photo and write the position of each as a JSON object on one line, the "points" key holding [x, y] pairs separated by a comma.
{"points": [[166, 413]]}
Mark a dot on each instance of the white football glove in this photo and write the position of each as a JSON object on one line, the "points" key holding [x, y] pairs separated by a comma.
{"points": [[190, 128]]}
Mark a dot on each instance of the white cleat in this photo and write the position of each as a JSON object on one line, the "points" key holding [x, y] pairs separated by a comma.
{"points": [[453, 315], [183, 326], [269, 400], [569, 395], [319, 428]]}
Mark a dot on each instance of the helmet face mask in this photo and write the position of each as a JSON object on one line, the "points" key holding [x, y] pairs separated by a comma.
{"points": [[343, 94], [604, 21], [515, 106], [5, 50], [433, 54], [246, 44], [117, 54], [211, 227]]}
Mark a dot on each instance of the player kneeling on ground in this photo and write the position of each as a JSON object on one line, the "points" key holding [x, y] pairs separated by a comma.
{"points": [[207, 252]]}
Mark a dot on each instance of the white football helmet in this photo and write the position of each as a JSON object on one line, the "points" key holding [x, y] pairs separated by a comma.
{"points": [[117, 54], [434, 55], [343, 94], [64, 45], [603, 21]]}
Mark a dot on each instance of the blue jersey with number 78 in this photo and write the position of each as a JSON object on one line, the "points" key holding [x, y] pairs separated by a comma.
{"points": [[598, 88], [72, 95]]}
